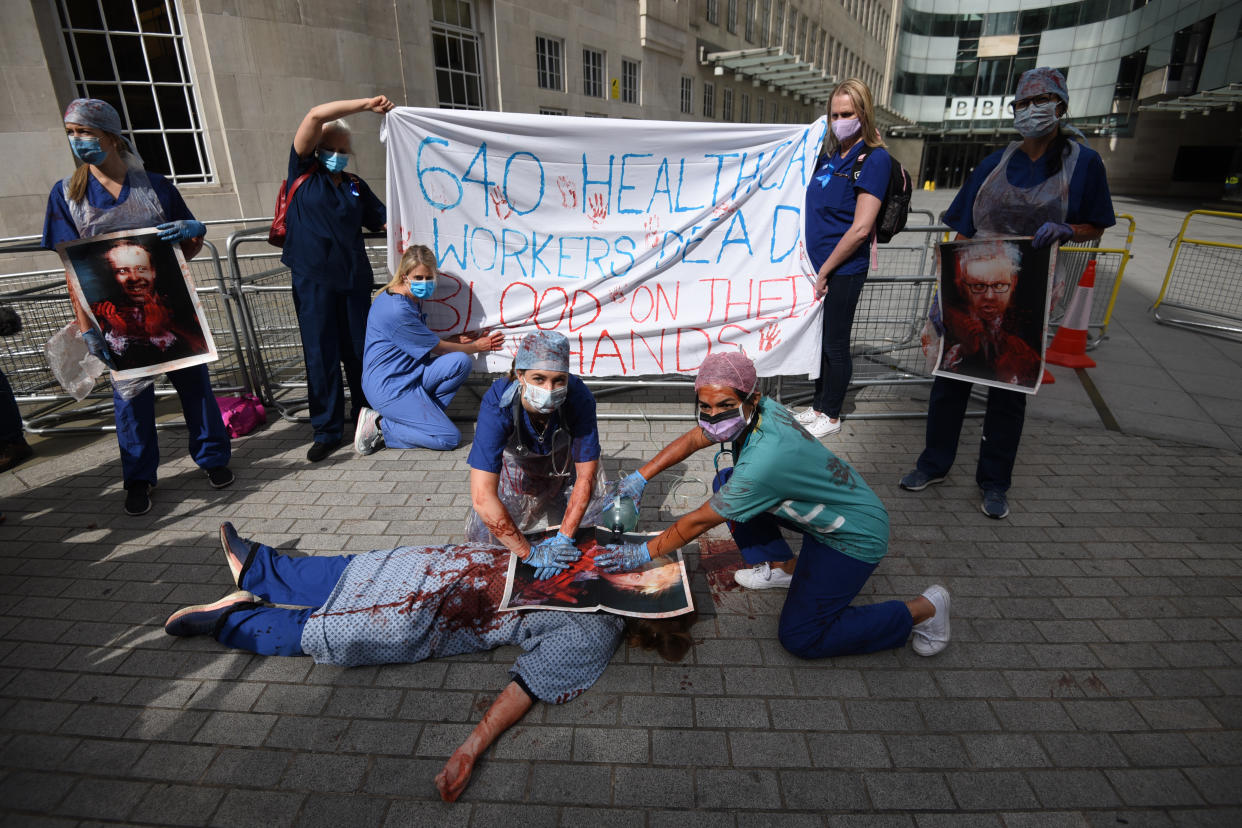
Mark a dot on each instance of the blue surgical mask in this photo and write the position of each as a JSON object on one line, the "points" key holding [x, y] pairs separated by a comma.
{"points": [[1036, 120], [333, 162], [544, 400], [423, 288], [88, 150]]}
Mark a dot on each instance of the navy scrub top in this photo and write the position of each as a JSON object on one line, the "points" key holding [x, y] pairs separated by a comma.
{"points": [[324, 238], [495, 425], [1089, 199], [831, 199], [58, 223]]}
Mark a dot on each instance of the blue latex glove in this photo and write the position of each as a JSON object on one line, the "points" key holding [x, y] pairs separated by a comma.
{"points": [[563, 546], [1051, 231], [96, 345], [549, 559], [179, 231], [632, 487], [622, 556]]}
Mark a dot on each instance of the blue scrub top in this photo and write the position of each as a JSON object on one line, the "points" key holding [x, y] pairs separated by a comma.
{"points": [[1089, 199], [495, 426], [831, 199], [397, 346], [58, 223], [324, 227]]}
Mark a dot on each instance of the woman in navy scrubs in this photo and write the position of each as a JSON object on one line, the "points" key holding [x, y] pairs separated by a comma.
{"points": [[111, 191], [1047, 186], [331, 274], [841, 211]]}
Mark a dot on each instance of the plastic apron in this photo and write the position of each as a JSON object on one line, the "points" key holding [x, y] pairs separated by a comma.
{"points": [[534, 488], [141, 208]]}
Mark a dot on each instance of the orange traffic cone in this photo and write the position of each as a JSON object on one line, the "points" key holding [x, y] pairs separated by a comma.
{"points": [[1069, 346]]}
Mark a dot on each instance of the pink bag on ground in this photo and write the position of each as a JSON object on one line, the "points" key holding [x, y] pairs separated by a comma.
{"points": [[241, 415]]}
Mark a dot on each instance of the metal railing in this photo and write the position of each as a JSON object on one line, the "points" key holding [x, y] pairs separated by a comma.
{"points": [[1202, 287], [1110, 268]]}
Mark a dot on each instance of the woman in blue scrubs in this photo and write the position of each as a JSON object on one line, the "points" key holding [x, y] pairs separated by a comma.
{"points": [[331, 273], [409, 373], [841, 212], [1048, 186], [112, 191]]}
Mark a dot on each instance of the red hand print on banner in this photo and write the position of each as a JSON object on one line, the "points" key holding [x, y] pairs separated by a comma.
{"points": [[569, 196], [723, 210], [599, 209], [652, 226], [769, 336], [501, 203], [403, 239], [616, 295]]}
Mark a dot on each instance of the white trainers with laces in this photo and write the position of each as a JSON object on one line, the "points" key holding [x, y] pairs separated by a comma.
{"points": [[368, 438], [932, 636], [823, 425], [806, 415], [763, 576]]}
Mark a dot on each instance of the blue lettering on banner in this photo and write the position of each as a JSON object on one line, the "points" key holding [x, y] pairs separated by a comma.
{"points": [[629, 254], [681, 177], [720, 160], [621, 185], [662, 172], [536, 254], [474, 255], [596, 259], [776, 225], [484, 182], [744, 240], [587, 181], [561, 258], [507, 253], [742, 176], [422, 171], [443, 254], [695, 240], [508, 197], [775, 155]]}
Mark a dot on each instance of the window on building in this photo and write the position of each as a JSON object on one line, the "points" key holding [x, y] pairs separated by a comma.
{"points": [[759, 111], [765, 12], [630, 75], [800, 42], [552, 110], [709, 100], [687, 95], [138, 64], [994, 76], [726, 104], [713, 12], [731, 16], [1000, 23], [1130, 75], [457, 51], [744, 109], [592, 73], [786, 118], [548, 66], [791, 30], [778, 24], [750, 21], [1189, 48]]}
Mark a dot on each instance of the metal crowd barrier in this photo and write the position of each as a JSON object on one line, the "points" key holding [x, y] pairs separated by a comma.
{"points": [[1110, 267], [1202, 290]]}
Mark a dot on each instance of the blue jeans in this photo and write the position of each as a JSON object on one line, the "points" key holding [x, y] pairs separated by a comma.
{"points": [[836, 364], [817, 620], [416, 418], [1002, 431], [333, 325], [135, 426], [305, 582]]}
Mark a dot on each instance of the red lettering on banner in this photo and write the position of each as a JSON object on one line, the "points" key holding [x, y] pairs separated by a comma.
{"points": [[580, 353], [720, 337], [539, 309], [793, 306], [659, 359], [573, 310], [711, 293], [729, 303], [671, 308], [759, 302], [534, 295], [445, 301], [706, 336], [615, 355], [650, 307]]}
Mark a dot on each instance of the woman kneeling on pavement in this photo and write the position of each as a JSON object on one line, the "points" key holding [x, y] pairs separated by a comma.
{"points": [[409, 374], [405, 605], [784, 477]]}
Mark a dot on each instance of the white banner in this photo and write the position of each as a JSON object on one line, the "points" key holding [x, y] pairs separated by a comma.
{"points": [[649, 244]]}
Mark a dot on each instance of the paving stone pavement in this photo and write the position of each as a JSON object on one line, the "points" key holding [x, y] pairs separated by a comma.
{"points": [[1094, 677]]}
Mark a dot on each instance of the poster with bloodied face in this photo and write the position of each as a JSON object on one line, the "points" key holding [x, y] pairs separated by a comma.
{"points": [[659, 590], [994, 303], [138, 292]]}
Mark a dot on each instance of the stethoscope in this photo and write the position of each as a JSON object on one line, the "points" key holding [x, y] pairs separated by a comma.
{"points": [[521, 450]]}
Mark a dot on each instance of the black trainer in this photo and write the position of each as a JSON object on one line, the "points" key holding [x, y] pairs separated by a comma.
{"points": [[137, 498], [220, 477], [319, 450]]}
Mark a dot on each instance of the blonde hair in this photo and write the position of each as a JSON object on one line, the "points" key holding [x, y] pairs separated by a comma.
{"points": [[77, 181], [860, 96], [414, 255]]}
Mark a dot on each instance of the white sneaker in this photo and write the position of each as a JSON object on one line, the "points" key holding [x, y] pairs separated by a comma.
{"points": [[823, 425], [932, 636], [806, 415], [368, 438], [763, 576]]}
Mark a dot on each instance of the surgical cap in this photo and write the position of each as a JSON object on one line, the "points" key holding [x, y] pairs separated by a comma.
{"points": [[1040, 81], [545, 350], [728, 370]]}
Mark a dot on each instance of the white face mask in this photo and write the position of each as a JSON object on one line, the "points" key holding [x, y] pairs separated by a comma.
{"points": [[1037, 120], [544, 400]]}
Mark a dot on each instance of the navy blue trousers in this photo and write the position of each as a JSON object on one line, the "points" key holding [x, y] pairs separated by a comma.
{"points": [[836, 365], [280, 579], [1002, 431], [817, 620], [135, 426], [10, 415], [333, 324]]}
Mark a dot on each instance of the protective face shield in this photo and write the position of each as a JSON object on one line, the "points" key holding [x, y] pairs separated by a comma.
{"points": [[1036, 120], [333, 162], [88, 150], [846, 128], [422, 288], [725, 426], [544, 400]]}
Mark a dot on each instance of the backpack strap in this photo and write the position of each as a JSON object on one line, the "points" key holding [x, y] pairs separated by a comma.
{"points": [[297, 182], [875, 242]]}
